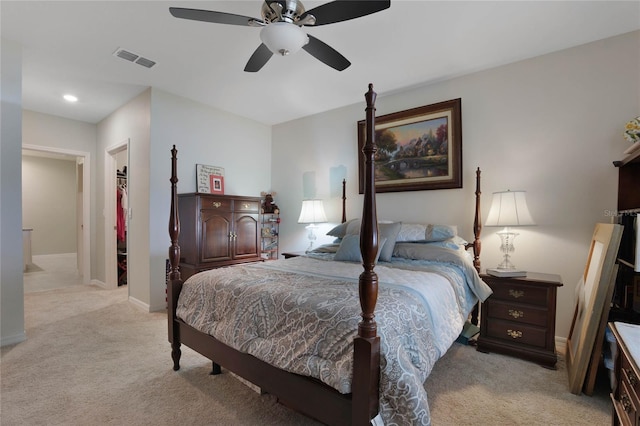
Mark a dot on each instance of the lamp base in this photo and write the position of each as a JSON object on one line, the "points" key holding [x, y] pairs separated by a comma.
{"points": [[506, 246], [312, 236], [506, 272]]}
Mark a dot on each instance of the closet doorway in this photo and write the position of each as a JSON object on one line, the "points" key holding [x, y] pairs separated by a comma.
{"points": [[117, 177], [83, 200]]}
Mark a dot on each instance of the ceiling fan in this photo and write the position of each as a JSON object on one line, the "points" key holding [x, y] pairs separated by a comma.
{"points": [[282, 22]]}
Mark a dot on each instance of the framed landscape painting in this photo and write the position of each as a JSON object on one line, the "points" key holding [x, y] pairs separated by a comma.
{"points": [[417, 149]]}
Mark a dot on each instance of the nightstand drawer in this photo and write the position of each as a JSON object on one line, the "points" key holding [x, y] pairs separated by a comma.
{"points": [[519, 313], [519, 293], [517, 333]]}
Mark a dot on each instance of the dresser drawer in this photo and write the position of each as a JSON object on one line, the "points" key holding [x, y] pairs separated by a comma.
{"points": [[520, 293], [215, 203], [517, 333], [630, 377], [516, 312], [627, 406], [246, 206]]}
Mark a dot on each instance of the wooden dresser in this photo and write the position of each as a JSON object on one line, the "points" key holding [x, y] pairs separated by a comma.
{"points": [[519, 318], [626, 392], [217, 230]]}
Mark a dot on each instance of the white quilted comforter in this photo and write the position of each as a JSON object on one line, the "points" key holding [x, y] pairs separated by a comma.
{"points": [[301, 315]]}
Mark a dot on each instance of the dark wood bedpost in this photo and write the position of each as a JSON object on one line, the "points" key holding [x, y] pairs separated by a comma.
{"points": [[476, 245], [366, 368], [344, 200], [175, 282], [477, 225]]}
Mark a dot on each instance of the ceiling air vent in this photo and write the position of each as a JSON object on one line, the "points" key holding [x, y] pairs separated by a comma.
{"points": [[133, 57], [145, 62]]}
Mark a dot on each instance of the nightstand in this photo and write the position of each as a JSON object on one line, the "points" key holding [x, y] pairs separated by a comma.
{"points": [[519, 318], [293, 254]]}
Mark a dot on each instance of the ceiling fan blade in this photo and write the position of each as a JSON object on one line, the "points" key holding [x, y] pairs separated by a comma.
{"points": [[258, 59], [325, 53], [343, 10], [214, 17]]}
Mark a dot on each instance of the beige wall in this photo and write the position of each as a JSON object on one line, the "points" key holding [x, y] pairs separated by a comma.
{"points": [[76, 138], [153, 122], [11, 282], [551, 125], [130, 122], [202, 135], [49, 204]]}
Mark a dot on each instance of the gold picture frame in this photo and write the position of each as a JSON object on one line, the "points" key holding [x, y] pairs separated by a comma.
{"points": [[591, 294]]}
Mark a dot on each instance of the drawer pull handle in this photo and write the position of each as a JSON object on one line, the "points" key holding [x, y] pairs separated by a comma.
{"points": [[633, 379], [625, 401], [516, 294], [216, 204], [245, 206], [516, 314], [514, 333]]}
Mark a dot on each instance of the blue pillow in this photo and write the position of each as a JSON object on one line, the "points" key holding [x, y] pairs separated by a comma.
{"points": [[340, 230], [349, 250], [388, 232]]}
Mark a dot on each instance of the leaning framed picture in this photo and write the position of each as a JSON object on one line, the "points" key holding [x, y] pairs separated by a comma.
{"points": [[417, 149], [593, 295]]}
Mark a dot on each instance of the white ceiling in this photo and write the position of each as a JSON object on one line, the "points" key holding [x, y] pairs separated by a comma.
{"points": [[68, 48]]}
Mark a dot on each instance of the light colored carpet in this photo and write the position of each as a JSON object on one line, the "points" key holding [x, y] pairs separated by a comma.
{"points": [[49, 271], [92, 358]]}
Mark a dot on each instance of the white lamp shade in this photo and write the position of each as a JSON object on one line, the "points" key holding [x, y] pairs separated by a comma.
{"points": [[509, 208], [283, 38], [312, 212]]}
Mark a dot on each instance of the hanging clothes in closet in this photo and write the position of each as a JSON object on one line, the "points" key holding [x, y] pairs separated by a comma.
{"points": [[122, 202], [121, 206]]}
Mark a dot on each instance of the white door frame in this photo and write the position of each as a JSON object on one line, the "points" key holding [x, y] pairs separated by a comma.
{"points": [[85, 220], [110, 248]]}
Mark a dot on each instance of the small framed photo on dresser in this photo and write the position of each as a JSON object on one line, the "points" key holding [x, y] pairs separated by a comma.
{"points": [[217, 184]]}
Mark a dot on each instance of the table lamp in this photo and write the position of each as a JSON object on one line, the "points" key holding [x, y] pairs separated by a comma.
{"points": [[312, 212], [508, 208]]}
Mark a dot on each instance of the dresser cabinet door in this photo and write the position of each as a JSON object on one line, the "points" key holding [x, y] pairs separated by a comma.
{"points": [[216, 236], [246, 237]]}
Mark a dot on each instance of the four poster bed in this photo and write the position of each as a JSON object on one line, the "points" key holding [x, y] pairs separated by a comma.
{"points": [[295, 328]]}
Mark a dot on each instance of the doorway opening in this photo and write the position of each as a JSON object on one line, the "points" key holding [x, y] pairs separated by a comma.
{"points": [[80, 202]]}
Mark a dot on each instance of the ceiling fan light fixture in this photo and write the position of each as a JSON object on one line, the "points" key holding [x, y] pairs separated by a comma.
{"points": [[283, 38]]}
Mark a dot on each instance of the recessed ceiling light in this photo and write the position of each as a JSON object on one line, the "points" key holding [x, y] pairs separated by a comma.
{"points": [[70, 98]]}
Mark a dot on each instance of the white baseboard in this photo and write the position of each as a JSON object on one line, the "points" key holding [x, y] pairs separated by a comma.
{"points": [[12, 340], [561, 344], [140, 304], [98, 283]]}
